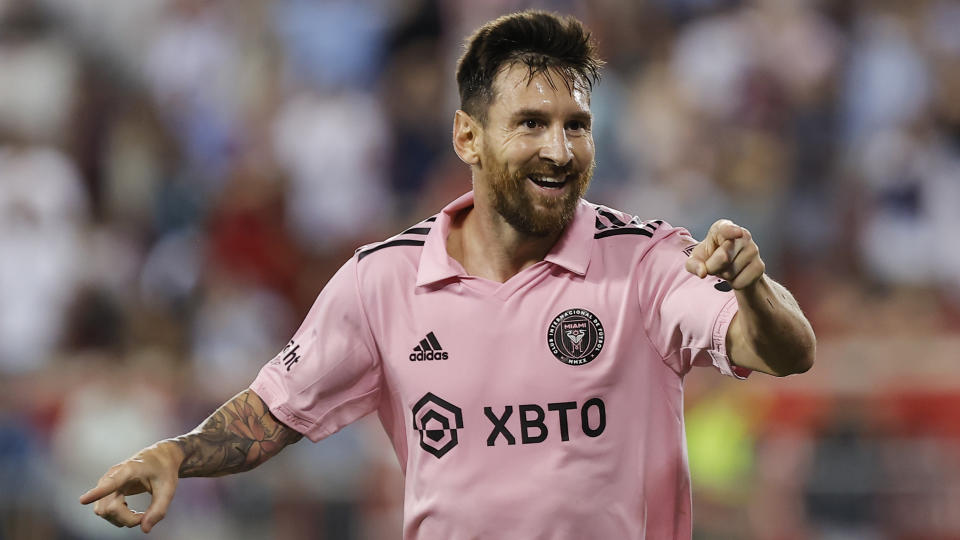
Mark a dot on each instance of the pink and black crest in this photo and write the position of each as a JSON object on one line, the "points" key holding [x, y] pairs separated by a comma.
{"points": [[575, 337]]}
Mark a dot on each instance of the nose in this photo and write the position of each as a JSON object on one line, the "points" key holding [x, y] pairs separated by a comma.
{"points": [[556, 147]]}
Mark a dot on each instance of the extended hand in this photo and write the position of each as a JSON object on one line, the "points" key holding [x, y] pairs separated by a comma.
{"points": [[728, 252], [154, 469]]}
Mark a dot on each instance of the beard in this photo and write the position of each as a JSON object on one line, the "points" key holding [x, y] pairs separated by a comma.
{"points": [[518, 206]]}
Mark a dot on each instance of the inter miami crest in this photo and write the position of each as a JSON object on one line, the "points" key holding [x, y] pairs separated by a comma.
{"points": [[575, 337]]}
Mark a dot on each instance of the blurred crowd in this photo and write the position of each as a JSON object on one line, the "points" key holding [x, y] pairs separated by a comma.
{"points": [[179, 178]]}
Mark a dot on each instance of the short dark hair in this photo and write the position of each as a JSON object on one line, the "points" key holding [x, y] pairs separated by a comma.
{"points": [[544, 42]]}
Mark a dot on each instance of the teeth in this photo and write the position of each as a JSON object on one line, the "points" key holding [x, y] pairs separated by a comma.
{"points": [[547, 179]]}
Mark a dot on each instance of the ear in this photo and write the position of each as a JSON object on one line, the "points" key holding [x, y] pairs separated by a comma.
{"points": [[466, 138]]}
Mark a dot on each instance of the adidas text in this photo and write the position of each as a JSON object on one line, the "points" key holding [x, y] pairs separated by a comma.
{"points": [[429, 355]]}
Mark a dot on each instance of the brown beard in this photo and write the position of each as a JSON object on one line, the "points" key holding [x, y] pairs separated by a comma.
{"points": [[516, 205]]}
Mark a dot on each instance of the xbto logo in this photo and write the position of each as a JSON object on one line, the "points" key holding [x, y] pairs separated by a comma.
{"points": [[533, 429], [437, 420]]}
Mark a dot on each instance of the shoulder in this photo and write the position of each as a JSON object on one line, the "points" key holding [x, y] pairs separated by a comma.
{"points": [[393, 261], [411, 239], [621, 232], [610, 222]]}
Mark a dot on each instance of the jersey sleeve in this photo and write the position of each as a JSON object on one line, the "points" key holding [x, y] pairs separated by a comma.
{"points": [[329, 374], [686, 317]]}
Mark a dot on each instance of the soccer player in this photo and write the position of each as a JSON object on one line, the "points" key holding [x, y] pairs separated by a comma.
{"points": [[524, 349]]}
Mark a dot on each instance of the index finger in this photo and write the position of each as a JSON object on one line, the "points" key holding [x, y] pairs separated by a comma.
{"points": [[725, 229], [107, 484], [721, 231]]}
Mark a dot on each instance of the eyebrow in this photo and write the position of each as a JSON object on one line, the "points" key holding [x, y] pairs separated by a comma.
{"points": [[581, 116]]}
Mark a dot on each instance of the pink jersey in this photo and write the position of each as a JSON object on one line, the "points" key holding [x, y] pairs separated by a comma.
{"points": [[546, 407]]}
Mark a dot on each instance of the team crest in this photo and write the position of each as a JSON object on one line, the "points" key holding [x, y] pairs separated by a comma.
{"points": [[575, 337]]}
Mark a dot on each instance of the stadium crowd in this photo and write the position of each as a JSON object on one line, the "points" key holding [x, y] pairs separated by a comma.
{"points": [[179, 178]]}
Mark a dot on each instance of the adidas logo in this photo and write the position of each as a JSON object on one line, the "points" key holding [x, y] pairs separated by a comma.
{"points": [[428, 349]]}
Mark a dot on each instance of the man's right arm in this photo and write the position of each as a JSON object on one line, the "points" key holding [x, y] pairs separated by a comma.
{"points": [[237, 437]]}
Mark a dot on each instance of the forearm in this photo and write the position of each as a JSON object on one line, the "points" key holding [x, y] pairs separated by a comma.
{"points": [[770, 332], [237, 437]]}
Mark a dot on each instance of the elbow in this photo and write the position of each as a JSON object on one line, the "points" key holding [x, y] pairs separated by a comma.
{"points": [[805, 354], [803, 365], [794, 365]]}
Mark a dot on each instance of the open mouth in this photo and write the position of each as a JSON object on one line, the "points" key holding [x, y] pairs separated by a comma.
{"points": [[549, 182]]}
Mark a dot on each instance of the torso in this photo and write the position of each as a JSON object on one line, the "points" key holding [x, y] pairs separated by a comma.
{"points": [[545, 413]]}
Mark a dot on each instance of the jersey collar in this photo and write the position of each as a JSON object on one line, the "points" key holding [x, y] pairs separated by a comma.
{"points": [[571, 252]]}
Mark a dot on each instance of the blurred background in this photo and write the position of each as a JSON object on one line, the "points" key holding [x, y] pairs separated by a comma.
{"points": [[179, 178]]}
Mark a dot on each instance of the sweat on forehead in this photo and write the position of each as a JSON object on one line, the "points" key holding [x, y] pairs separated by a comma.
{"points": [[537, 65]]}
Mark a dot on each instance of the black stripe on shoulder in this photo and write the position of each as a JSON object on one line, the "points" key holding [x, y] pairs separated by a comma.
{"points": [[614, 220], [599, 225], [420, 228], [392, 243], [623, 230]]}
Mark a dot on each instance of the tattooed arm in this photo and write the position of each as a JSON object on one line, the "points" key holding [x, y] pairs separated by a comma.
{"points": [[237, 437]]}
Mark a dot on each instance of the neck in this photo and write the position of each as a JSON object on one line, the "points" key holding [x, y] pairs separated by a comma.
{"points": [[489, 247]]}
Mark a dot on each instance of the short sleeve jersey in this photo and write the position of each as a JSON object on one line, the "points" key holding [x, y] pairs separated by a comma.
{"points": [[546, 407]]}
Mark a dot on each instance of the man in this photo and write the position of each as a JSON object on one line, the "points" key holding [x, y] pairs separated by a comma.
{"points": [[524, 349]]}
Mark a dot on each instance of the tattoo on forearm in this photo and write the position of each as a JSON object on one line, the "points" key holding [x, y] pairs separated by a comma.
{"points": [[237, 437]]}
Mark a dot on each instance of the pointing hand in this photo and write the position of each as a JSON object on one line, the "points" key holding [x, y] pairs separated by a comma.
{"points": [[729, 252], [154, 470]]}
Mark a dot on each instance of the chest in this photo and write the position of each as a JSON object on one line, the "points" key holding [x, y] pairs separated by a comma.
{"points": [[561, 363], [552, 339]]}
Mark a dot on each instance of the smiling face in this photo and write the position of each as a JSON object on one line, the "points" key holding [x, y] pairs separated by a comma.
{"points": [[536, 151]]}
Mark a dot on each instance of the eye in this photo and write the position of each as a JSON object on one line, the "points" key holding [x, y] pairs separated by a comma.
{"points": [[577, 125], [531, 123]]}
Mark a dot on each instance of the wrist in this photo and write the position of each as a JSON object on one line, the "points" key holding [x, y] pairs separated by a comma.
{"points": [[171, 452], [755, 292]]}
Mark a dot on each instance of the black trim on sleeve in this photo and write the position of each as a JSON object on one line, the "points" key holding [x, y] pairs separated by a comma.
{"points": [[392, 243], [623, 230], [612, 218]]}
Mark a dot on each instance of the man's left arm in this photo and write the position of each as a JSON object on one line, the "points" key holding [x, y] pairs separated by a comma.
{"points": [[769, 333]]}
